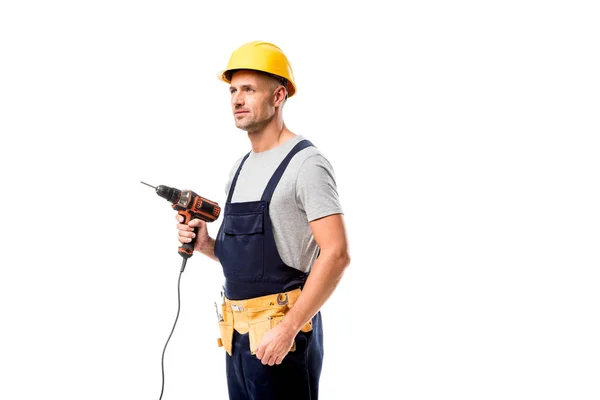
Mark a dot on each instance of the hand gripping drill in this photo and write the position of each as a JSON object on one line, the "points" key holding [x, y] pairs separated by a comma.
{"points": [[190, 206]]}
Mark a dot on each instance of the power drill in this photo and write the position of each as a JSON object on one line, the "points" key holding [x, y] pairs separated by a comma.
{"points": [[190, 206]]}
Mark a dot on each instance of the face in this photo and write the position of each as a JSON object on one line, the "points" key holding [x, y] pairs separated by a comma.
{"points": [[253, 100]]}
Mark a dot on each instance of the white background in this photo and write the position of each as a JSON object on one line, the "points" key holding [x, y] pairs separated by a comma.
{"points": [[464, 140]]}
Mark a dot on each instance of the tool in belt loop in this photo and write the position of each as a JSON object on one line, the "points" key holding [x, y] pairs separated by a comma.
{"points": [[219, 316]]}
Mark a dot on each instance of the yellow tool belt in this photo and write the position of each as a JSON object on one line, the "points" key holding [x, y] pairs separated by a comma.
{"points": [[255, 316]]}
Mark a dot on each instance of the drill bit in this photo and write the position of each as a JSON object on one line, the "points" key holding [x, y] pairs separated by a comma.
{"points": [[148, 185]]}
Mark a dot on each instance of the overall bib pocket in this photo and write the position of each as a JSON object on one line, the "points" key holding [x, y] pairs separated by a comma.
{"points": [[243, 240]]}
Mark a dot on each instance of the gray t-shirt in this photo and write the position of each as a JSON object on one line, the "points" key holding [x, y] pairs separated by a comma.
{"points": [[306, 191]]}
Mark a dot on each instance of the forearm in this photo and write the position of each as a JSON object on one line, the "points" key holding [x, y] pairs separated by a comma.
{"points": [[209, 249], [322, 281]]}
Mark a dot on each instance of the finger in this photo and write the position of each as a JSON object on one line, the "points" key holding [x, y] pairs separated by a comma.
{"points": [[187, 235], [260, 352], [179, 218], [185, 239], [279, 360], [184, 227], [265, 357]]}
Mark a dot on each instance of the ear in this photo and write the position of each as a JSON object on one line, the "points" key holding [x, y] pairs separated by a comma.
{"points": [[280, 95]]}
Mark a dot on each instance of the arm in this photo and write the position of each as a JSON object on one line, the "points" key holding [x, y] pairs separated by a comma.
{"points": [[330, 235]]}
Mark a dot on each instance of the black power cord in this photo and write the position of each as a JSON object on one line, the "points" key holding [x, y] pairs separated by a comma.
{"points": [[162, 363]]}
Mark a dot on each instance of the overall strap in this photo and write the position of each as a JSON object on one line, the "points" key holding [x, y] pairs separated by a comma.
{"points": [[268, 193], [233, 182]]}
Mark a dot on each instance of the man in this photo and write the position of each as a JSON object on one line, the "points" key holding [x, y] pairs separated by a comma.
{"points": [[282, 220]]}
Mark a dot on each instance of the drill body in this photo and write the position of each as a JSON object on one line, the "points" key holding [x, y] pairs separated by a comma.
{"points": [[189, 205]]}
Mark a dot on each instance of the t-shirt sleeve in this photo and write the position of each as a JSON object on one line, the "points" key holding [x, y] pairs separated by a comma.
{"points": [[316, 190]]}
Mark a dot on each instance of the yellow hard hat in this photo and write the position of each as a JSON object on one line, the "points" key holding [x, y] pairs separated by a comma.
{"points": [[261, 56]]}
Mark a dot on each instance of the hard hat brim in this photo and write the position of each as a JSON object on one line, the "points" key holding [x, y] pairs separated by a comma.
{"points": [[222, 76]]}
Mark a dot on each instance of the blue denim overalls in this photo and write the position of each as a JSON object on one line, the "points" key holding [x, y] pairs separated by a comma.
{"points": [[245, 247]]}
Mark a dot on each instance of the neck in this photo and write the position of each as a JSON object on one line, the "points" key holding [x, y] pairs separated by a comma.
{"points": [[271, 136]]}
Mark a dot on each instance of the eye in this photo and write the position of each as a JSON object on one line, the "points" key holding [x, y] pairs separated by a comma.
{"points": [[249, 89], [232, 90]]}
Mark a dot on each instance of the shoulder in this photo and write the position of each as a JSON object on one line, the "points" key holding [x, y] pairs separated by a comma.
{"points": [[311, 156], [310, 166], [316, 188], [314, 173], [313, 163]]}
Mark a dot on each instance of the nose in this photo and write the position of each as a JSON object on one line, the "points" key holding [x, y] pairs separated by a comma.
{"points": [[237, 99]]}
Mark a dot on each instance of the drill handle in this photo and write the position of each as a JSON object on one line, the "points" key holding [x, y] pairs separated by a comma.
{"points": [[187, 249]]}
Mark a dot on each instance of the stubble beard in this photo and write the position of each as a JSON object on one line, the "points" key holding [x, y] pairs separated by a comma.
{"points": [[251, 125], [245, 125]]}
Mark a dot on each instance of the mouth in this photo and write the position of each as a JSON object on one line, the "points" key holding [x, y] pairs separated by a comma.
{"points": [[241, 112]]}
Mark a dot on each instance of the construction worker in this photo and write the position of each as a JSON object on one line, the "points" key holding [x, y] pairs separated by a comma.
{"points": [[282, 242]]}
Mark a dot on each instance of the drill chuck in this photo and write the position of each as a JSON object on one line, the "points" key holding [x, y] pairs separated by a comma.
{"points": [[169, 193]]}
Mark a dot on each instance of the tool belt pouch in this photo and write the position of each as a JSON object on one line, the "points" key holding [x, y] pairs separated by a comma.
{"points": [[264, 321], [226, 329]]}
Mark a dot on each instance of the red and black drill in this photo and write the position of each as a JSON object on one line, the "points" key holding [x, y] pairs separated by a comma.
{"points": [[190, 206]]}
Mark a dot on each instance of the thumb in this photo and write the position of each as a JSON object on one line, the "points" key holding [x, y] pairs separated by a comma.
{"points": [[195, 222]]}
